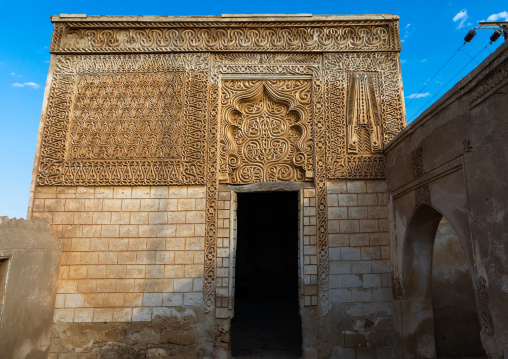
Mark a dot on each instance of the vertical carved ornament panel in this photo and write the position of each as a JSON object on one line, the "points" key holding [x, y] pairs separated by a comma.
{"points": [[126, 120], [265, 130], [275, 112], [364, 112]]}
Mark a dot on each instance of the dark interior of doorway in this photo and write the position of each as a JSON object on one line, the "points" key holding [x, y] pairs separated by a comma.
{"points": [[266, 319]]}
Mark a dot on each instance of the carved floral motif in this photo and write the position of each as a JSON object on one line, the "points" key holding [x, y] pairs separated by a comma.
{"points": [[266, 132], [288, 66], [86, 37]]}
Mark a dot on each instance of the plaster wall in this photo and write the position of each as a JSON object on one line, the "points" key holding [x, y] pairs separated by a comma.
{"points": [[453, 158], [29, 255]]}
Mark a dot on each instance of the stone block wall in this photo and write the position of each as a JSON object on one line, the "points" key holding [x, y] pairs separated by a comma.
{"points": [[360, 281], [129, 254]]}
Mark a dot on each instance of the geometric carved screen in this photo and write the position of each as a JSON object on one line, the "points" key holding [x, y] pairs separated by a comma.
{"points": [[265, 130], [127, 116], [126, 120]]}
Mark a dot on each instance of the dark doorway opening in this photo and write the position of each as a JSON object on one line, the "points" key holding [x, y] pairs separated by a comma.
{"points": [[266, 319]]}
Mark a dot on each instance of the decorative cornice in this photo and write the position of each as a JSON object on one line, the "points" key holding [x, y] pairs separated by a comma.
{"points": [[286, 34]]}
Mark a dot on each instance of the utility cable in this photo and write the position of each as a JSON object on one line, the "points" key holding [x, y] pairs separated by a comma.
{"points": [[472, 59], [470, 56], [428, 82]]}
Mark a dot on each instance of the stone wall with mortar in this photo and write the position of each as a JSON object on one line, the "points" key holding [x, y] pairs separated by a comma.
{"points": [[29, 255], [140, 133], [360, 279], [129, 254]]}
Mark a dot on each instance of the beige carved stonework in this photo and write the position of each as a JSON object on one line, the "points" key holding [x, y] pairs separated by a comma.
{"points": [[167, 102], [266, 132], [126, 119], [223, 35], [288, 72], [364, 112], [364, 134]]}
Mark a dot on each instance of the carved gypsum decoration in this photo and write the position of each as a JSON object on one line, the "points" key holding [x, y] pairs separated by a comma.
{"points": [[102, 37], [266, 134], [363, 120], [422, 195], [483, 307], [337, 68], [237, 63], [111, 120], [417, 162], [493, 81]]}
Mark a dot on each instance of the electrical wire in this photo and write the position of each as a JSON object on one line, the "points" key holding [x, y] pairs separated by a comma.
{"points": [[442, 67], [437, 93], [470, 56]]}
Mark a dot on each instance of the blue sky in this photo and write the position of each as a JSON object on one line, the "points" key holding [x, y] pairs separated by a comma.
{"points": [[431, 31]]}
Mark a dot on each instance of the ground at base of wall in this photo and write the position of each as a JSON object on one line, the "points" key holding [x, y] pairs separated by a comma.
{"points": [[164, 337]]}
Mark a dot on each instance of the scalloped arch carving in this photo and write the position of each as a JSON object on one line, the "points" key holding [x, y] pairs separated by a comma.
{"points": [[265, 131]]}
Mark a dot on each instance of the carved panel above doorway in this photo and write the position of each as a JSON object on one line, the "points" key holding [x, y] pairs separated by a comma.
{"points": [[265, 130]]}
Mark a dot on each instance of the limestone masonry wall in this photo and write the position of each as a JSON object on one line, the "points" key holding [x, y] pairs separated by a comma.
{"points": [[128, 254], [360, 280]]}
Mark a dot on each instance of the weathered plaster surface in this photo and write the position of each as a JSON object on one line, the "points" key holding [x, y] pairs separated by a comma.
{"points": [[29, 255], [453, 158]]}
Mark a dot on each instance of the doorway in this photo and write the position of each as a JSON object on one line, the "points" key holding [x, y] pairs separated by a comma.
{"points": [[266, 320]]}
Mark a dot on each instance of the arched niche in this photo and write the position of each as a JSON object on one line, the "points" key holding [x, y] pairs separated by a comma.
{"points": [[423, 251]]}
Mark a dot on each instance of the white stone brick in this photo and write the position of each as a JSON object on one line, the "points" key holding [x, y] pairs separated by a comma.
{"points": [[142, 314], [162, 312], [371, 280], [361, 295], [340, 295], [193, 299], [172, 299], [83, 315], [152, 299], [63, 315], [183, 285], [351, 281], [350, 253], [342, 267]]}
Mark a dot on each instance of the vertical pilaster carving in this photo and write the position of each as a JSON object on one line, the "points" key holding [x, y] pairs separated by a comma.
{"points": [[483, 307], [364, 133]]}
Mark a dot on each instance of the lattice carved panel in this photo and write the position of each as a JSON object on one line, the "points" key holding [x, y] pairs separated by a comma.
{"points": [[126, 120], [364, 112], [266, 130]]}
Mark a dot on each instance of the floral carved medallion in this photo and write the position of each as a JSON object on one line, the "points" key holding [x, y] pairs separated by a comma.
{"points": [[266, 132]]}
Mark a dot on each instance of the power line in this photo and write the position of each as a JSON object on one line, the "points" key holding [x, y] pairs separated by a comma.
{"points": [[428, 82], [472, 59]]}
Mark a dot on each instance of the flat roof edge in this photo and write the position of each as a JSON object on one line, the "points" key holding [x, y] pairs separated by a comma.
{"points": [[221, 18]]}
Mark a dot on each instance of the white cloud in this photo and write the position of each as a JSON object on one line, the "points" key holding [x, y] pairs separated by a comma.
{"points": [[13, 73], [402, 61], [424, 60], [418, 95], [408, 31], [29, 84], [462, 17], [503, 15]]}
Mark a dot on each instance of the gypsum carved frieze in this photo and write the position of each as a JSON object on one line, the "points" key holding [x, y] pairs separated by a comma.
{"points": [[323, 36], [382, 72], [126, 120], [248, 65]]}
